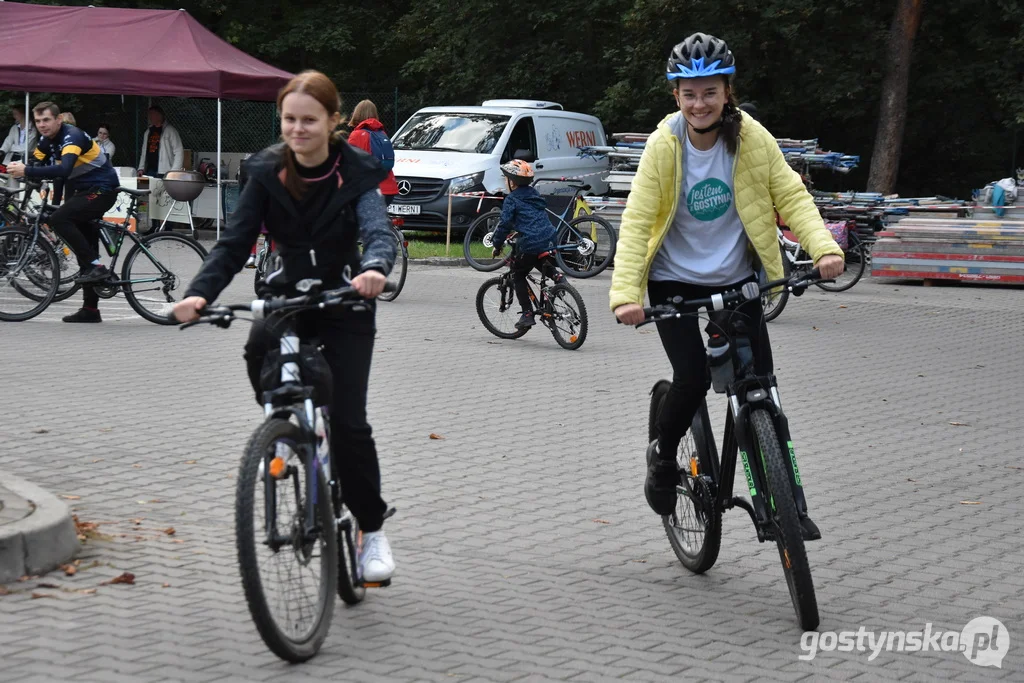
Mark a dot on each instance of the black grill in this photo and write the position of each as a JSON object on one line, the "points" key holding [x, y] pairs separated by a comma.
{"points": [[422, 190]]}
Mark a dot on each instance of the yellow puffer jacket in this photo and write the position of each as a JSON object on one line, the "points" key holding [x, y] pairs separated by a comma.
{"points": [[761, 180]]}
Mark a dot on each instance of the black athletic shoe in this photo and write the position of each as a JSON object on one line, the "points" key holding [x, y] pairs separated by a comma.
{"points": [[809, 529], [660, 485], [93, 275], [526, 321], [84, 315]]}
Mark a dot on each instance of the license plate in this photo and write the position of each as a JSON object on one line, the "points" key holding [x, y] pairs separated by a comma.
{"points": [[404, 209]]}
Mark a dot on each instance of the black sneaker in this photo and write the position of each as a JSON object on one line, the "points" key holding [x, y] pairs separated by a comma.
{"points": [[93, 275], [809, 530], [660, 485], [526, 321], [84, 315]]}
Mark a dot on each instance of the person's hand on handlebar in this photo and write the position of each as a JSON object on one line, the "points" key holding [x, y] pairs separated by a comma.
{"points": [[830, 266], [369, 283], [16, 169], [630, 314], [189, 309]]}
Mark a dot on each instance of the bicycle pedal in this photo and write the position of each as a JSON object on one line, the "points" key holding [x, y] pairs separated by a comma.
{"points": [[377, 584]]}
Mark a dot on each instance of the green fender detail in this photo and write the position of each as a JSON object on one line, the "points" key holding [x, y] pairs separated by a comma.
{"points": [[792, 459], [750, 477]]}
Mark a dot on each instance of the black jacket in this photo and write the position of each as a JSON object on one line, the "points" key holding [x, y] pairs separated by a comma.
{"points": [[321, 249]]}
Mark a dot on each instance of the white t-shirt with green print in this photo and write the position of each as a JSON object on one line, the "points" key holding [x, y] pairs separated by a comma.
{"points": [[706, 244]]}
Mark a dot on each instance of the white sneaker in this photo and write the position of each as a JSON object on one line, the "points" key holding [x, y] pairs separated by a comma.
{"points": [[251, 263], [375, 561]]}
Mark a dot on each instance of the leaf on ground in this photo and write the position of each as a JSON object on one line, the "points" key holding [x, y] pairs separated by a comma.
{"points": [[155, 500], [1014, 467], [69, 569], [41, 431], [600, 521], [641, 561], [86, 591], [959, 424], [970, 502], [136, 465], [843, 306], [814, 328], [88, 530], [167, 585], [436, 437], [191, 462], [106, 429], [177, 540], [36, 596], [47, 585], [96, 460], [169, 531], [138, 521], [68, 496], [126, 577]]}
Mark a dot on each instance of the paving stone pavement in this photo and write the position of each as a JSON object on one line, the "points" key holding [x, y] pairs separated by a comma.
{"points": [[525, 549]]}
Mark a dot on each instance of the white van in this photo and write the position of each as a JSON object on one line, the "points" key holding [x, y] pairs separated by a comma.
{"points": [[442, 150]]}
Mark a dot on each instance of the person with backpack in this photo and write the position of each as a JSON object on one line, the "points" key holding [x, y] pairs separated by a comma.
{"points": [[368, 134]]}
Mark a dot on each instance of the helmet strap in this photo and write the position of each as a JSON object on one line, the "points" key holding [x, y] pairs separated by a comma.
{"points": [[717, 124]]}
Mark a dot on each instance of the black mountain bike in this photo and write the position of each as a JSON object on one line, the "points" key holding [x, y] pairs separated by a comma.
{"points": [[584, 245], [757, 428], [557, 306], [297, 542]]}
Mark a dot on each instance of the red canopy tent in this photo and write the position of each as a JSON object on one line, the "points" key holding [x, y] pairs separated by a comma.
{"points": [[109, 50]]}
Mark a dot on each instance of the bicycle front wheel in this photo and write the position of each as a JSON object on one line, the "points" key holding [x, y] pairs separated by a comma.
{"points": [[289, 574], [785, 522], [478, 236], [157, 272], [397, 275], [773, 301], [495, 304], [568, 319], [586, 246], [856, 257], [29, 275]]}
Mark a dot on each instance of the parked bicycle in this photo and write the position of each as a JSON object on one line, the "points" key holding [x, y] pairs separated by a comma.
{"points": [[157, 268], [558, 306], [758, 429], [584, 245], [795, 260], [297, 542]]}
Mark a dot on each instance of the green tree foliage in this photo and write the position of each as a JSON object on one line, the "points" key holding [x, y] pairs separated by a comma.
{"points": [[813, 68]]}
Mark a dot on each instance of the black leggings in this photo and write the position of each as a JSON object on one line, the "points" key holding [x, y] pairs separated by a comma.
{"points": [[73, 222], [684, 345], [521, 266], [348, 348]]}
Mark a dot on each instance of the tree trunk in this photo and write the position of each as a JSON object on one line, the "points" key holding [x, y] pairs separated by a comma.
{"points": [[892, 114]]}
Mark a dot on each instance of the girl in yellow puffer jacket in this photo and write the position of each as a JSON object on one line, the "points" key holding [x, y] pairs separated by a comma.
{"points": [[700, 219]]}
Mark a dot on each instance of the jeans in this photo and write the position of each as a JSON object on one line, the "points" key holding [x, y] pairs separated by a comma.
{"points": [[348, 348], [684, 345], [73, 222]]}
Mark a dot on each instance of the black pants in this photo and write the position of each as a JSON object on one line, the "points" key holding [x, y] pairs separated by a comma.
{"points": [[348, 348], [72, 221], [521, 266], [684, 345]]}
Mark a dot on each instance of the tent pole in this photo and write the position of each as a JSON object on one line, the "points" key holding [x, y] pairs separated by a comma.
{"points": [[219, 215], [28, 122]]}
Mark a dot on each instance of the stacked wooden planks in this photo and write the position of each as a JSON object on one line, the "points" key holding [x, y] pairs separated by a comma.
{"points": [[972, 249]]}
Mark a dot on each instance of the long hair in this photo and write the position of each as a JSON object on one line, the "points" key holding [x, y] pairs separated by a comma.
{"points": [[364, 110], [322, 89]]}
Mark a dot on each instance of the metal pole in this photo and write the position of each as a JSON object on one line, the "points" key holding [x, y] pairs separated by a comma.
{"points": [[28, 122], [218, 167]]}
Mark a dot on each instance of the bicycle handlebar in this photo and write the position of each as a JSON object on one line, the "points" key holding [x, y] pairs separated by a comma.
{"points": [[677, 306], [221, 316]]}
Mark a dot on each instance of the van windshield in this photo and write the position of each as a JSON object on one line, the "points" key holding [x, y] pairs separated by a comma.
{"points": [[449, 132]]}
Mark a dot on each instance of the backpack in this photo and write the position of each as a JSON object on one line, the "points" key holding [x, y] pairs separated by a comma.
{"points": [[380, 147]]}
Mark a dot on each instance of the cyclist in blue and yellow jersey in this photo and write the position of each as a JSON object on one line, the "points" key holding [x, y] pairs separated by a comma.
{"points": [[90, 189], [700, 219]]}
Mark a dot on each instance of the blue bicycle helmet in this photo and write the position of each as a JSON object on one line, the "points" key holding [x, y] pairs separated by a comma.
{"points": [[698, 56]]}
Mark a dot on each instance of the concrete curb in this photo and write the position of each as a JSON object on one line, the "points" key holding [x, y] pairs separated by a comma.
{"points": [[42, 539]]}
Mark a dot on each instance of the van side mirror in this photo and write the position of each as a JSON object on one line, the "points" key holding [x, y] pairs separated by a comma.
{"points": [[524, 154]]}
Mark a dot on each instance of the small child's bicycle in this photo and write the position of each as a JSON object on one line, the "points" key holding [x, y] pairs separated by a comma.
{"points": [[556, 304]]}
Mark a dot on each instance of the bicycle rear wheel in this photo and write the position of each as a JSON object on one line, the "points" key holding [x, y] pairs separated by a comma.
{"points": [[495, 304], [786, 522], [158, 271], [568, 321], [856, 257], [399, 270], [29, 275], [586, 246], [479, 234], [288, 577]]}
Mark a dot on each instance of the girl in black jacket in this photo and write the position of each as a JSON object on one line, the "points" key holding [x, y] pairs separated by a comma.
{"points": [[317, 197]]}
